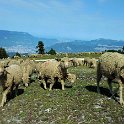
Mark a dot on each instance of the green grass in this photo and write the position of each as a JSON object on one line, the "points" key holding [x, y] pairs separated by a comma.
{"points": [[70, 55], [79, 104]]}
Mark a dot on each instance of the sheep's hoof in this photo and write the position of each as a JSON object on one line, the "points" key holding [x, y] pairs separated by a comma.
{"points": [[122, 103], [1, 105], [26, 85]]}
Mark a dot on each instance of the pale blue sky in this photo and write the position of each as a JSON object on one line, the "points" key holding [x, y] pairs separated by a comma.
{"points": [[78, 19]]}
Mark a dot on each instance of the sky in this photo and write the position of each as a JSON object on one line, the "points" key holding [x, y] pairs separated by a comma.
{"points": [[75, 19]]}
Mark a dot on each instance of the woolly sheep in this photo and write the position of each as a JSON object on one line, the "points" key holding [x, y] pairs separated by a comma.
{"points": [[5, 62], [77, 61], [53, 70], [111, 65], [28, 67], [86, 59], [90, 62], [15, 61], [10, 77]]}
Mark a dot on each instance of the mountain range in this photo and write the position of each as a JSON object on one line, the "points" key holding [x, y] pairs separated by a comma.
{"points": [[23, 42]]}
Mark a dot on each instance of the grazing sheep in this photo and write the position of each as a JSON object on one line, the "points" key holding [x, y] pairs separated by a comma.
{"points": [[10, 77], [77, 61], [90, 62], [111, 65], [86, 61], [52, 70], [28, 67]]}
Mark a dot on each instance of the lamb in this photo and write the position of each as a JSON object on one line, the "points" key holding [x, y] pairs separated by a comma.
{"points": [[10, 78], [111, 65], [52, 71]]}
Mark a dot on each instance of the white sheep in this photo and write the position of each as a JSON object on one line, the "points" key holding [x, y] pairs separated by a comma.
{"points": [[90, 62], [52, 70], [77, 61], [28, 67], [10, 78], [111, 65]]}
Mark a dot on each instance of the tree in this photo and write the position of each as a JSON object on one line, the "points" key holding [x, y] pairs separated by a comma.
{"points": [[18, 54], [40, 47], [3, 53], [52, 52]]}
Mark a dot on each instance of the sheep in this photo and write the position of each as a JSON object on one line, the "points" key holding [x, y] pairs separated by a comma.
{"points": [[111, 65], [5, 62], [86, 61], [15, 61], [77, 61], [52, 70], [10, 78], [90, 62], [28, 68]]}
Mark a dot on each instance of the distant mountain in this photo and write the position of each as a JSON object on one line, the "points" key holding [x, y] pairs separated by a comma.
{"points": [[88, 46], [21, 42]]}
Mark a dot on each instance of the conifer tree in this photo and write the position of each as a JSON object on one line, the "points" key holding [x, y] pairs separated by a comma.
{"points": [[40, 47]]}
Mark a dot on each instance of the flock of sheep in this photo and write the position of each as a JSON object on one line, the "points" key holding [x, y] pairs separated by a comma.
{"points": [[13, 72]]}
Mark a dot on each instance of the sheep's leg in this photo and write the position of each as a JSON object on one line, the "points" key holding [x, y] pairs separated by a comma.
{"points": [[4, 98], [121, 92], [110, 86], [16, 90], [99, 76], [11, 89], [51, 84], [44, 84], [62, 83]]}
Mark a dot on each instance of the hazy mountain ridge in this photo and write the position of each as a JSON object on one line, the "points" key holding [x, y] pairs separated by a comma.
{"points": [[23, 42], [88, 46]]}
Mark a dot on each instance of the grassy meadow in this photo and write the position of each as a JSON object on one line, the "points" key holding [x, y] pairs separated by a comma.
{"points": [[78, 104]]}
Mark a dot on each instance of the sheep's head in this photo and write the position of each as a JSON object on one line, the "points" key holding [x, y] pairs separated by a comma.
{"points": [[71, 77], [64, 62]]}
